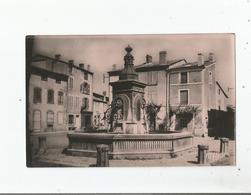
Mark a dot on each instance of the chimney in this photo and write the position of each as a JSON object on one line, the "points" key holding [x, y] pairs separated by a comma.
{"points": [[88, 67], [211, 57], [71, 62], [200, 59], [149, 59], [82, 66], [114, 67], [162, 57], [57, 56]]}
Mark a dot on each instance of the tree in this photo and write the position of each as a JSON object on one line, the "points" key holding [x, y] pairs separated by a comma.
{"points": [[152, 110]]}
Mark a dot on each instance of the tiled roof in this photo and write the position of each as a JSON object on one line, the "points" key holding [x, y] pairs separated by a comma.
{"points": [[148, 66], [39, 57], [47, 73]]}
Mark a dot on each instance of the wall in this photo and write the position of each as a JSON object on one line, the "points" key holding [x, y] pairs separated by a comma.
{"points": [[194, 87], [75, 97], [210, 87], [35, 81]]}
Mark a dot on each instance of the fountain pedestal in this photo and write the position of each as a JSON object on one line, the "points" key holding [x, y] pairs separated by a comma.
{"points": [[131, 146]]}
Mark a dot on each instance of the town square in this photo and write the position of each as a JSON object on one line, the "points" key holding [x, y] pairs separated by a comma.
{"points": [[132, 100]]}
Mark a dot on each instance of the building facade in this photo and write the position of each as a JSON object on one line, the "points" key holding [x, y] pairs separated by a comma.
{"points": [[184, 91], [60, 99], [47, 100], [80, 99], [78, 92]]}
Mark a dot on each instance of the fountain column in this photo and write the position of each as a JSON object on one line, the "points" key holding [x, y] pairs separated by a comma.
{"points": [[128, 98]]}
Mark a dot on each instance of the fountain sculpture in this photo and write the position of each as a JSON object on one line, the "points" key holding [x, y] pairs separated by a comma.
{"points": [[128, 135]]}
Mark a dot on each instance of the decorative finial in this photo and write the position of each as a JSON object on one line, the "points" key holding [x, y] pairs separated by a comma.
{"points": [[128, 49], [128, 72]]}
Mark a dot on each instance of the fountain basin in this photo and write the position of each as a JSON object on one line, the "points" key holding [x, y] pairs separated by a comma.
{"points": [[131, 146]]}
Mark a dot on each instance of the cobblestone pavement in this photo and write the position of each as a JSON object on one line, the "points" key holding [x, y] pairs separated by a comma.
{"points": [[54, 157]]}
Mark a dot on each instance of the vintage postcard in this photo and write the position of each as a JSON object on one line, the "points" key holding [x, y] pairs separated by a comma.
{"points": [[130, 100]]}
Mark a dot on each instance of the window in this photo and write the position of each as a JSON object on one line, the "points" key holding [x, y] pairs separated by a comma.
{"points": [[86, 76], [219, 91], [60, 118], [183, 77], [37, 96], [37, 120], [50, 119], [60, 98], [152, 78], [85, 88], [58, 81], [183, 97], [44, 78], [70, 83], [85, 103], [71, 119], [50, 96]]}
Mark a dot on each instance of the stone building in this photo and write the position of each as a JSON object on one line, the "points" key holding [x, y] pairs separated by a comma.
{"points": [[79, 88], [60, 98], [184, 91], [80, 99]]}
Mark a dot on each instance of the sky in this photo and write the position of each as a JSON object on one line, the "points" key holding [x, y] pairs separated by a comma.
{"points": [[102, 51]]}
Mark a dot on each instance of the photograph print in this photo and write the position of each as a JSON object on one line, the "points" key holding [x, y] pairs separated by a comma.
{"points": [[130, 100]]}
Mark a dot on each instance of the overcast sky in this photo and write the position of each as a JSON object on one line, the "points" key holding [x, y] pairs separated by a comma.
{"points": [[101, 52]]}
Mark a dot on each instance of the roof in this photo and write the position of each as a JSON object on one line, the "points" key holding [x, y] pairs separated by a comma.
{"points": [[100, 98], [40, 57], [148, 66], [46, 73], [221, 89], [172, 65], [189, 66]]}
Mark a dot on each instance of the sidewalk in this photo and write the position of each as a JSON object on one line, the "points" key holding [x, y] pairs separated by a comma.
{"points": [[55, 158]]}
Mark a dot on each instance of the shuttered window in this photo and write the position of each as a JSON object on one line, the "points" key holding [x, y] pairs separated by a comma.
{"points": [[183, 77], [37, 96], [50, 118], [37, 120], [50, 96], [60, 98]]}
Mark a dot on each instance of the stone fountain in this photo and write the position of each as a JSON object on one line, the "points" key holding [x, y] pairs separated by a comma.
{"points": [[128, 136]]}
